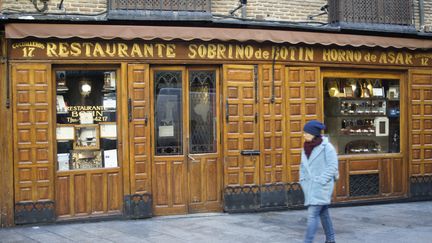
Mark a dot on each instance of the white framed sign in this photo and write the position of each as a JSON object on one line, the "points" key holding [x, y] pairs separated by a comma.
{"points": [[65, 133], [378, 92], [63, 161], [166, 131], [108, 130], [110, 158], [381, 126]]}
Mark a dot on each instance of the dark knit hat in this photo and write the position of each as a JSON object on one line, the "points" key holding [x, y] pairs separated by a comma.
{"points": [[314, 127]]}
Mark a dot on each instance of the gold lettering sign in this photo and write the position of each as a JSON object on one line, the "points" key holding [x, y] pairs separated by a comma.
{"points": [[214, 51], [356, 56], [75, 111], [28, 47]]}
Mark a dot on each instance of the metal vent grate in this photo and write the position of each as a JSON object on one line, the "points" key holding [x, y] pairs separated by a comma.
{"points": [[161, 5], [363, 185], [388, 12]]}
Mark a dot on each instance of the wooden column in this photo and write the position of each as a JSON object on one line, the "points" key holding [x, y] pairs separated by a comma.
{"points": [[272, 107], [6, 163], [420, 122], [241, 126], [303, 103], [33, 143]]}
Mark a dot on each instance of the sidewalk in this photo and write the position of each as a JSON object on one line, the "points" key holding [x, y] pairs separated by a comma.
{"points": [[405, 222]]}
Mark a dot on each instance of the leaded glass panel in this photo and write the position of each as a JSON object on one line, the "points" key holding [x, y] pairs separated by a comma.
{"points": [[202, 109], [168, 112]]}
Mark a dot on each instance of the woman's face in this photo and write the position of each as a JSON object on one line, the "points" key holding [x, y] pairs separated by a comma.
{"points": [[308, 137]]}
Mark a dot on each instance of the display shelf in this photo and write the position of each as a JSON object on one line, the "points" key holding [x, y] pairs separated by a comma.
{"points": [[361, 125], [108, 90]]}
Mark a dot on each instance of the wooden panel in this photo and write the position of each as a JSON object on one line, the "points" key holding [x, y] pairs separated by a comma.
{"points": [[212, 185], [114, 195], [363, 165], [386, 176], [204, 183], [342, 183], [139, 128], [170, 191], [79, 194], [83, 193], [240, 129], [63, 206], [272, 118], [420, 121], [161, 196], [399, 176], [196, 179], [97, 197], [33, 157], [392, 174], [178, 176], [303, 103]]}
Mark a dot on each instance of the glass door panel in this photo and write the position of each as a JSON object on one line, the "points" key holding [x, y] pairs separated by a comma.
{"points": [[168, 113], [202, 110]]}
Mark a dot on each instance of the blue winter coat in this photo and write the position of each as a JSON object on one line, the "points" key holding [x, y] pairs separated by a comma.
{"points": [[318, 174]]}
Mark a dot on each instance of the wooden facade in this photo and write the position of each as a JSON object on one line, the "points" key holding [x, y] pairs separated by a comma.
{"points": [[263, 99]]}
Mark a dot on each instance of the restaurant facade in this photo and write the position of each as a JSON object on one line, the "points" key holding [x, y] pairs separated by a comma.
{"points": [[140, 121]]}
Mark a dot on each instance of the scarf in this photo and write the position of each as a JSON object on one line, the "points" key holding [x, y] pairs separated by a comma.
{"points": [[309, 146]]}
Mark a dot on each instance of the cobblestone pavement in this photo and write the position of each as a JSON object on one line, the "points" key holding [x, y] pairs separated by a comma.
{"points": [[399, 222]]}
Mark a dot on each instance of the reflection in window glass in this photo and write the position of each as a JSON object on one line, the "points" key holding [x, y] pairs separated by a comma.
{"points": [[202, 97], [168, 112], [86, 109], [362, 115]]}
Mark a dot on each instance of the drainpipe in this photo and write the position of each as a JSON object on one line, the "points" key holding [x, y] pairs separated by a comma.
{"points": [[243, 11], [421, 13], [243, 3]]}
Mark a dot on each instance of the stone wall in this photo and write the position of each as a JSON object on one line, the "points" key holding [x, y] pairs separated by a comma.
{"points": [[428, 14], [71, 7], [273, 10], [285, 10]]}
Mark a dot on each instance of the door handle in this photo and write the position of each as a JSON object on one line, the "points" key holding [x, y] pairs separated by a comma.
{"points": [[250, 152], [226, 110], [130, 109], [191, 158]]}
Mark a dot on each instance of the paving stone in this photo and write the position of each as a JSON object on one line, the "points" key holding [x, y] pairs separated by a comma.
{"points": [[9, 237], [399, 223]]}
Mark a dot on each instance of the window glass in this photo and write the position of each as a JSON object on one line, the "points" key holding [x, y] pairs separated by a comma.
{"points": [[362, 115], [202, 110], [86, 111], [168, 112]]}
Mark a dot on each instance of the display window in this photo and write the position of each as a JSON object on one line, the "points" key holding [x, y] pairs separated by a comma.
{"points": [[86, 113], [362, 115]]}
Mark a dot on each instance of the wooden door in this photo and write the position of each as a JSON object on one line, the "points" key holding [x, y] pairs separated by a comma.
{"points": [[168, 126], [33, 133], [303, 104], [420, 122], [272, 109], [204, 166], [241, 130], [139, 128], [186, 168]]}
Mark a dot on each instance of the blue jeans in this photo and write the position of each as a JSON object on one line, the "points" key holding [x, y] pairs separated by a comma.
{"points": [[315, 211]]}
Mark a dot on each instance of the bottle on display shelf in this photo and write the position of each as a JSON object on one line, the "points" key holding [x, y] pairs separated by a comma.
{"points": [[358, 90]]}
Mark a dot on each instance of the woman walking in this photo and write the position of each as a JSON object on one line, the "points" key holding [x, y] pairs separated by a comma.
{"points": [[318, 172]]}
